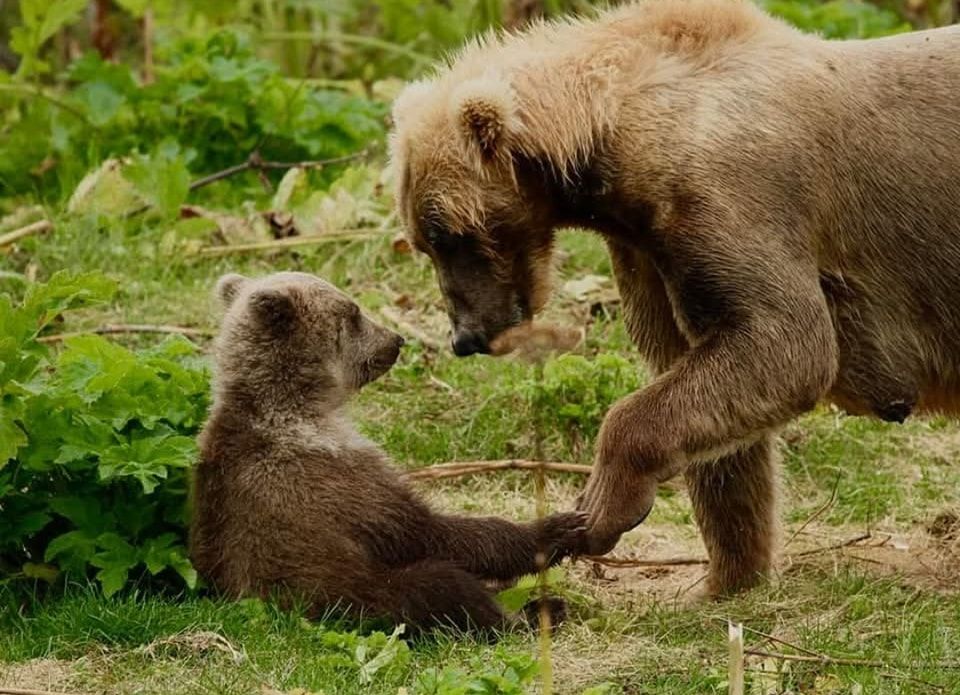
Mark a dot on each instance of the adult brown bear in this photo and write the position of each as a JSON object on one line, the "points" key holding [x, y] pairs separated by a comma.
{"points": [[782, 211]]}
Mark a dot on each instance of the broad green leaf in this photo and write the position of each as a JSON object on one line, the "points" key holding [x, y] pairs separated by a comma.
{"points": [[162, 179], [12, 437], [65, 291], [85, 513], [112, 578], [77, 546], [41, 20]]}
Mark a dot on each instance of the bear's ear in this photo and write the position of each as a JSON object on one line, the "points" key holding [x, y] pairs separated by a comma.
{"points": [[486, 113], [228, 287], [273, 308]]}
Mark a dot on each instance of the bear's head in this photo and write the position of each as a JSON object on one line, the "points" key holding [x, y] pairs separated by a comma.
{"points": [[294, 339], [472, 201]]}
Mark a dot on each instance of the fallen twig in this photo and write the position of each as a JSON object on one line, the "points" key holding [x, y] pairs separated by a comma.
{"points": [[346, 235], [115, 328], [681, 561], [255, 162], [820, 659], [32, 228], [5, 690], [780, 640], [835, 546], [817, 514], [463, 468], [397, 320], [636, 562]]}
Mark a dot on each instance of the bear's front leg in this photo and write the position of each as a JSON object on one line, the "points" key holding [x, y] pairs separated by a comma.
{"points": [[764, 351]]}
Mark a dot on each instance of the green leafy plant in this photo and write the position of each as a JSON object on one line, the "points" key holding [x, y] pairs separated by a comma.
{"points": [[41, 19], [575, 392], [212, 102], [95, 443], [508, 674], [837, 19]]}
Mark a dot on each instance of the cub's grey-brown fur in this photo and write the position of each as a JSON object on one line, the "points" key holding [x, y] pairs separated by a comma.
{"points": [[290, 497]]}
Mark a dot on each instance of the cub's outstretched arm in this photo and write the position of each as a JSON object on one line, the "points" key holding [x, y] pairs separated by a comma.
{"points": [[493, 548]]}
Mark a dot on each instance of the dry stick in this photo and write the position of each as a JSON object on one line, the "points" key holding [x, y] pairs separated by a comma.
{"points": [[18, 234], [780, 640], [827, 660], [462, 468], [835, 546], [4, 690], [817, 514], [115, 328], [256, 163], [396, 319], [346, 235], [634, 562]]}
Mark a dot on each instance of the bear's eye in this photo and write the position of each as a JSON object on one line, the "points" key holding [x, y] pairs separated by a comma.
{"points": [[441, 240]]}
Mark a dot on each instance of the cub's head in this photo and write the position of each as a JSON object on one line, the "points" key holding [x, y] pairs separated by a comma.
{"points": [[470, 200], [293, 334]]}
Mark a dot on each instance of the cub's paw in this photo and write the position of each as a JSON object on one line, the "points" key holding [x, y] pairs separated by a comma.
{"points": [[555, 608], [563, 534]]}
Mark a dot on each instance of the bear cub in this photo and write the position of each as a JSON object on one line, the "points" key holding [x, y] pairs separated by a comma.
{"points": [[288, 496]]}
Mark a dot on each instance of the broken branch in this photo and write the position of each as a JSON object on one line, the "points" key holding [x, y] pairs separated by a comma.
{"points": [[636, 562], [353, 235], [115, 328], [18, 234], [457, 468]]}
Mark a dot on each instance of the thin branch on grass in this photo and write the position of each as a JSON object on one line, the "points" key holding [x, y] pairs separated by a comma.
{"points": [[345, 235], [463, 468], [405, 326], [636, 562], [5, 690], [37, 227], [817, 514], [780, 640], [255, 162], [115, 328], [836, 546]]}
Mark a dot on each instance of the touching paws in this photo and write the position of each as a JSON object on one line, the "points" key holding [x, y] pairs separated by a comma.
{"points": [[615, 502], [561, 535]]}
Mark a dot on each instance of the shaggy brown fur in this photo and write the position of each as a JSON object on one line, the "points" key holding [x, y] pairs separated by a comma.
{"points": [[781, 212], [289, 496]]}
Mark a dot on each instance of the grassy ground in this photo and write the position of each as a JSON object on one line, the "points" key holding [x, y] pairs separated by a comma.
{"points": [[889, 598]]}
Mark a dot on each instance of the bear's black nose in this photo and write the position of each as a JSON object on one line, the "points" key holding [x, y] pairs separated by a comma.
{"points": [[470, 343]]}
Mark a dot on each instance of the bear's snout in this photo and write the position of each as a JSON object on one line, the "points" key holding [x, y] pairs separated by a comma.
{"points": [[467, 343]]}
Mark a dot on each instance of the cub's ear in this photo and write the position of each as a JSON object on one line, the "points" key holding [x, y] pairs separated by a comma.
{"points": [[486, 112], [273, 308], [228, 286]]}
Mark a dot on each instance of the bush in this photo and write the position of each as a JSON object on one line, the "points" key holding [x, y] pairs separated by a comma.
{"points": [[214, 98], [95, 444]]}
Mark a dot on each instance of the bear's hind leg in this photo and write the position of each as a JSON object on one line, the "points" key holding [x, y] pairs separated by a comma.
{"points": [[437, 593], [735, 503]]}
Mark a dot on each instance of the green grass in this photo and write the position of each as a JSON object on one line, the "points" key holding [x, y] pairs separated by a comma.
{"points": [[633, 629]]}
